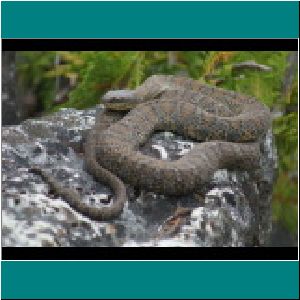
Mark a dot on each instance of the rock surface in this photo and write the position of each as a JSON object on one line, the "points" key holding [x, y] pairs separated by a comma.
{"points": [[234, 209]]}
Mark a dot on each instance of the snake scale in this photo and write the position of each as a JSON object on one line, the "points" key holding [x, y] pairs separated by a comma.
{"points": [[228, 126]]}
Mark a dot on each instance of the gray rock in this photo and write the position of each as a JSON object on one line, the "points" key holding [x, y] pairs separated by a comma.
{"points": [[234, 209]]}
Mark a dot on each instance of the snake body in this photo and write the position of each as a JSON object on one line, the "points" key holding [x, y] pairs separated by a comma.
{"points": [[228, 125]]}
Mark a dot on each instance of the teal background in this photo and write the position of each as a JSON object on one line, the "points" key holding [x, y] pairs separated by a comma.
{"points": [[84, 279], [182, 19], [150, 279]]}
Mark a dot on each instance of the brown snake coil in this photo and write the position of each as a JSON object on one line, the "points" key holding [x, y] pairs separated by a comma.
{"points": [[228, 125]]}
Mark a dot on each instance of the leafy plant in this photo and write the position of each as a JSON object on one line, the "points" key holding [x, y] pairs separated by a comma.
{"points": [[31, 69]]}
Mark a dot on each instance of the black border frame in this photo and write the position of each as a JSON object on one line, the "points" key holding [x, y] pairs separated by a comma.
{"points": [[150, 253], [149, 44], [144, 253]]}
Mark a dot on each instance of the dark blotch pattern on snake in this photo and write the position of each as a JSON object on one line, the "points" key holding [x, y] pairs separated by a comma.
{"points": [[228, 125]]}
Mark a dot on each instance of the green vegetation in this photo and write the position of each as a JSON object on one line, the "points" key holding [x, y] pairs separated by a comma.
{"points": [[92, 73]]}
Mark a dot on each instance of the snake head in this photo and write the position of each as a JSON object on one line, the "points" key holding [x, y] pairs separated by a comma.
{"points": [[121, 100]]}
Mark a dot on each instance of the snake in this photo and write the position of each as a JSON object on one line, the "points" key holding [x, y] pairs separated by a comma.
{"points": [[227, 126]]}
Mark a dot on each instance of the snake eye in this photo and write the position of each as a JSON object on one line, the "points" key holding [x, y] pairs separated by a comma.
{"points": [[158, 94]]}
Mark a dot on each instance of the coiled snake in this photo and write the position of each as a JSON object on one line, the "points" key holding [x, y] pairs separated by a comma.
{"points": [[228, 125]]}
